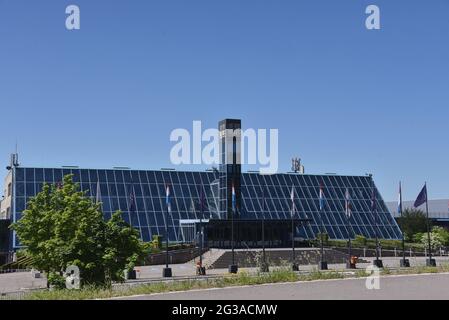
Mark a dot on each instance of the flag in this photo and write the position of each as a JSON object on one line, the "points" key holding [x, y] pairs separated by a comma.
{"points": [[422, 197], [202, 200], [400, 199], [292, 197], [98, 199], [322, 199], [168, 198], [132, 200], [233, 198], [374, 200], [348, 204]]}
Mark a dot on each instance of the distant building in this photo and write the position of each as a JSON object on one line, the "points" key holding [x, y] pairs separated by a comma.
{"points": [[438, 210]]}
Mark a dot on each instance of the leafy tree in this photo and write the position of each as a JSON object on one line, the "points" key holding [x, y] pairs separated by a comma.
{"points": [[62, 226], [413, 221], [436, 241], [443, 233], [417, 238]]}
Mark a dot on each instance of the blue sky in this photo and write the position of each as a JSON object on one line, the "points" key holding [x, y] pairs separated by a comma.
{"points": [[345, 99]]}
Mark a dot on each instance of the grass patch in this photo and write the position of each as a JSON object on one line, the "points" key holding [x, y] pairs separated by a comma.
{"points": [[277, 275]]}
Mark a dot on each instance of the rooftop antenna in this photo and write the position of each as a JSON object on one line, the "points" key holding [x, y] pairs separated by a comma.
{"points": [[297, 167], [15, 156]]}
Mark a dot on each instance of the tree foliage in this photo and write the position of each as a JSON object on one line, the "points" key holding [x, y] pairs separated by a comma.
{"points": [[412, 222], [62, 226], [436, 240]]}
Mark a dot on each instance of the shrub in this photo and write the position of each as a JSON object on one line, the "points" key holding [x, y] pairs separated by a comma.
{"points": [[56, 281], [360, 241], [417, 238], [443, 234]]}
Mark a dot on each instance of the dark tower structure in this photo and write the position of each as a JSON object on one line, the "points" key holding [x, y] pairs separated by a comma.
{"points": [[230, 168]]}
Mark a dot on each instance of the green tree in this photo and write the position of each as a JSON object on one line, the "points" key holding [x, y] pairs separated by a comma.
{"points": [[436, 241], [413, 221], [62, 226], [443, 233]]}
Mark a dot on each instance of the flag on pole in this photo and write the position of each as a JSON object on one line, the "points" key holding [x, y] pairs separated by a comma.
{"points": [[98, 198], [422, 197], [168, 198], [202, 200], [292, 197], [374, 200], [322, 199], [132, 200], [233, 198], [348, 204], [400, 199]]}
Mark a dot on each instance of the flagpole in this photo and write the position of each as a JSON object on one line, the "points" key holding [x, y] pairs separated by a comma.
{"points": [[233, 268], [323, 263], [167, 272], [350, 265], [264, 267], [378, 263], [405, 263], [430, 262], [202, 270], [295, 267]]}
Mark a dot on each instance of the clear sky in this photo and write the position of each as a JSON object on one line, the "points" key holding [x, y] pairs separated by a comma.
{"points": [[345, 99]]}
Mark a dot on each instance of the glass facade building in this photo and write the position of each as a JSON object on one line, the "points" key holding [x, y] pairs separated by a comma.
{"points": [[148, 214]]}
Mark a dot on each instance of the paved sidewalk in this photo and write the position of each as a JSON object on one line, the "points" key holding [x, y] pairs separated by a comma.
{"points": [[186, 270], [24, 281], [408, 287], [12, 282]]}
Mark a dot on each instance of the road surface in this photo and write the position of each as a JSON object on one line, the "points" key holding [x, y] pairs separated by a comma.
{"points": [[410, 287]]}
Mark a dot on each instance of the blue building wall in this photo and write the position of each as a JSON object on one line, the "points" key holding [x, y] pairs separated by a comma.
{"points": [[147, 188]]}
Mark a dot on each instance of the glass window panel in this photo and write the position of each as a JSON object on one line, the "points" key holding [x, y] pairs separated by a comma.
{"points": [[30, 192], [20, 174], [119, 176], [101, 176], [20, 189], [85, 176], [110, 176], [39, 175], [134, 176], [29, 174], [127, 176], [143, 177]]}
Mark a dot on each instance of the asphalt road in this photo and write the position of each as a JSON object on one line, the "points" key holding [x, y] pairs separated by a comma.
{"points": [[413, 287]]}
